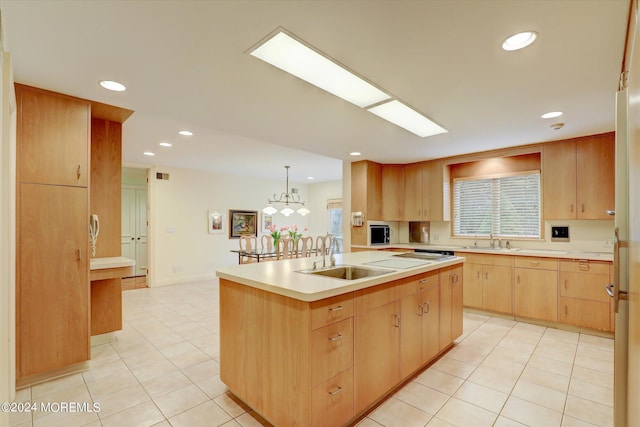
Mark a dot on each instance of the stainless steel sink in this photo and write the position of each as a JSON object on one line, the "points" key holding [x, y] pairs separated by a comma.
{"points": [[347, 272]]}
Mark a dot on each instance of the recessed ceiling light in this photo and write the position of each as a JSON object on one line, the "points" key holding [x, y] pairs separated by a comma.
{"points": [[519, 40], [407, 118], [551, 114], [165, 144], [149, 153], [310, 178], [185, 132], [290, 55], [355, 153], [114, 86]]}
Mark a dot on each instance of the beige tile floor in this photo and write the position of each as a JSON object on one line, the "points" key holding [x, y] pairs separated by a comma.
{"points": [[163, 370]]}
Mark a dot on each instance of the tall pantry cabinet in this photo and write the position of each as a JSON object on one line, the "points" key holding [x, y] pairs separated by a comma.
{"points": [[52, 286]]}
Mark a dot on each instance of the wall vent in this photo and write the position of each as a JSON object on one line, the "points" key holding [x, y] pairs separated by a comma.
{"points": [[160, 175]]}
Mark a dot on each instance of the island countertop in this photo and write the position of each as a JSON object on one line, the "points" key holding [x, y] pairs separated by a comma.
{"points": [[284, 277]]}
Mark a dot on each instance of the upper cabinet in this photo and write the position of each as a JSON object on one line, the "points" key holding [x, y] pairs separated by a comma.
{"points": [[393, 192], [53, 139], [366, 196], [425, 192], [578, 178]]}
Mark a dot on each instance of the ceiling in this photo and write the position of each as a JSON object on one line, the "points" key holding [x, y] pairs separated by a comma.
{"points": [[185, 66]]}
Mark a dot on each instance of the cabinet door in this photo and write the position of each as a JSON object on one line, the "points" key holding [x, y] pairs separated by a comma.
{"points": [[450, 305], [392, 192], [432, 192], [585, 313], [559, 180], [53, 278], [584, 286], [413, 192], [472, 285], [497, 294], [430, 323], [536, 294], [377, 353], [595, 177], [411, 334], [53, 138]]}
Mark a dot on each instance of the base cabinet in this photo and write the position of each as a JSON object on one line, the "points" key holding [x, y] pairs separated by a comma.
{"points": [[536, 288], [487, 282], [52, 295], [326, 362], [583, 300]]}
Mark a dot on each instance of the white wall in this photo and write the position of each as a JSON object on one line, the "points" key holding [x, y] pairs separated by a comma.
{"points": [[180, 247]]}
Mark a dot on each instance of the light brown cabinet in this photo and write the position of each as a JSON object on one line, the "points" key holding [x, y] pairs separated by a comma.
{"points": [[53, 138], [583, 300], [488, 282], [52, 281], [325, 362], [451, 282], [578, 178], [425, 197], [419, 331], [392, 192], [536, 288]]}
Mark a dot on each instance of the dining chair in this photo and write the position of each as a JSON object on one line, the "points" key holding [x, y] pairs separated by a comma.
{"points": [[306, 247], [319, 241], [266, 243], [285, 248], [247, 244]]}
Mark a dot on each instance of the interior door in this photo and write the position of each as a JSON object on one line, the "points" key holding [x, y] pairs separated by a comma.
{"points": [[633, 322], [128, 236], [141, 232]]}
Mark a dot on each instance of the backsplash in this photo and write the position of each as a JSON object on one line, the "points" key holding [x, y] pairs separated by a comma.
{"points": [[585, 236]]}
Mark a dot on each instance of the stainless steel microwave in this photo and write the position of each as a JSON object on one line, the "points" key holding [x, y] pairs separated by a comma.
{"points": [[379, 234]]}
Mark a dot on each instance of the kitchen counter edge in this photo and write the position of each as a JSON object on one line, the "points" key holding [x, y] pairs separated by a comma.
{"points": [[283, 278]]}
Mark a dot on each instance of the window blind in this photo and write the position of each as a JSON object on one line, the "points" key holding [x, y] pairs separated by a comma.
{"points": [[505, 206]]}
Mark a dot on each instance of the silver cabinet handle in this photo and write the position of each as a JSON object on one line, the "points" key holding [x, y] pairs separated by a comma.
{"points": [[78, 173], [336, 337], [428, 307], [336, 391], [336, 308], [609, 289], [424, 280], [79, 254], [396, 321]]}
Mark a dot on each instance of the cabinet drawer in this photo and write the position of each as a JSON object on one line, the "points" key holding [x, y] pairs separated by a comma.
{"points": [[331, 350], [540, 263], [585, 266], [416, 284], [487, 259], [331, 310], [332, 401], [585, 313], [584, 286], [370, 298]]}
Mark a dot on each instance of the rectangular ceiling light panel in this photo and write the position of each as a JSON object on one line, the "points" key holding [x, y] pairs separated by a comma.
{"points": [[288, 54], [407, 118]]}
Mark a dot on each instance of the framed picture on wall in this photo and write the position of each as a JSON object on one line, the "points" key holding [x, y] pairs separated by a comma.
{"points": [[267, 221], [243, 223], [216, 222]]}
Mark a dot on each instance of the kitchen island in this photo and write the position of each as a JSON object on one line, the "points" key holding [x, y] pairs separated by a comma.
{"points": [[305, 349]]}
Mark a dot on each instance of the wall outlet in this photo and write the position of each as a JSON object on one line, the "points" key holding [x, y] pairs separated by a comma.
{"points": [[608, 244], [177, 268]]}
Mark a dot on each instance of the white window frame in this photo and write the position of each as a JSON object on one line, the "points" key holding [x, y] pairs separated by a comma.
{"points": [[495, 208]]}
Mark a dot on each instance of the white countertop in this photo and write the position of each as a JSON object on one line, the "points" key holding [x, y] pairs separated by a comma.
{"points": [[549, 253], [111, 262], [282, 277]]}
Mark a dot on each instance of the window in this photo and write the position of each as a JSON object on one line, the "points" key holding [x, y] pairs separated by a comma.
{"points": [[505, 206], [334, 208]]}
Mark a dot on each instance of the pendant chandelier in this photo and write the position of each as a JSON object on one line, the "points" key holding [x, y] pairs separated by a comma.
{"points": [[288, 198]]}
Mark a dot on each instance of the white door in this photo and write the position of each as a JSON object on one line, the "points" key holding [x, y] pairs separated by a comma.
{"points": [[134, 227], [627, 252], [141, 232], [128, 239]]}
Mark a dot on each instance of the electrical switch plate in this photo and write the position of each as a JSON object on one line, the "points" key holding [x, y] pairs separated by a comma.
{"points": [[560, 234]]}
